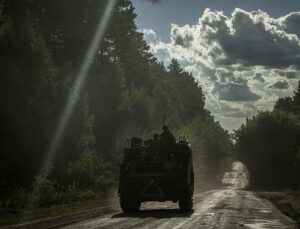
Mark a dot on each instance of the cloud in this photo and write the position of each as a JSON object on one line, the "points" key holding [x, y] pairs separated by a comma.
{"points": [[184, 41], [182, 36], [153, 1], [291, 23], [249, 39], [245, 57], [231, 114], [280, 85], [235, 91], [224, 76], [149, 32], [259, 77], [245, 39], [289, 74]]}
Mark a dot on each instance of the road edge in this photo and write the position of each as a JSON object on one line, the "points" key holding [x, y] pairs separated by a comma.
{"points": [[282, 203], [59, 221]]}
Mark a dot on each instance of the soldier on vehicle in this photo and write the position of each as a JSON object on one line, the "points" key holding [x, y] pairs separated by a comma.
{"points": [[156, 138], [166, 136], [160, 176]]}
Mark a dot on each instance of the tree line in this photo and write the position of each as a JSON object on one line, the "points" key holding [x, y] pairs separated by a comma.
{"points": [[127, 92], [269, 144]]}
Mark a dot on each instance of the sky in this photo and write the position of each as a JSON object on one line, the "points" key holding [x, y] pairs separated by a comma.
{"points": [[245, 54]]}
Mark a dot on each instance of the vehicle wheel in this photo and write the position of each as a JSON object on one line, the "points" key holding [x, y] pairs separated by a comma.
{"points": [[129, 204], [186, 203]]}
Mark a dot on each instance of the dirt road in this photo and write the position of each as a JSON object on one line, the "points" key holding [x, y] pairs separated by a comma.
{"points": [[229, 208], [224, 208]]}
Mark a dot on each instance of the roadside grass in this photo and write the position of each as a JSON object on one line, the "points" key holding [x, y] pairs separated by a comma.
{"points": [[294, 197], [28, 215], [288, 202]]}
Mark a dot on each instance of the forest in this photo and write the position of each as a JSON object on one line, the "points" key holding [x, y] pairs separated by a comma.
{"points": [[269, 144], [127, 92]]}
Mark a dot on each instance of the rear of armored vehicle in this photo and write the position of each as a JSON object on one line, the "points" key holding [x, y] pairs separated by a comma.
{"points": [[156, 173]]}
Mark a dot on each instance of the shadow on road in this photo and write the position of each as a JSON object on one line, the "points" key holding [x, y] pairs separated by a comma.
{"points": [[155, 213]]}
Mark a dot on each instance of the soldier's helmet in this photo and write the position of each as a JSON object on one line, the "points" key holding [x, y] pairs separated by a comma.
{"points": [[165, 128], [156, 136]]}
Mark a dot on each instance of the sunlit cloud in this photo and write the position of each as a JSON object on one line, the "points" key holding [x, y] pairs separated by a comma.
{"points": [[243, 58]]}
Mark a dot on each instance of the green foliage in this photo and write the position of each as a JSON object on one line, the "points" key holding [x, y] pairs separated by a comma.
{"points": [[285, 104], [90, 171], [140, 108], [32, 214], [289, 104], [269, 145], [43, 188], [26, 98], [42, 46], [211, 144]]}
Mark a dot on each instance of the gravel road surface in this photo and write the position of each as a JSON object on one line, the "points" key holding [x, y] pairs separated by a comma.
{"points": [[229, 207]]}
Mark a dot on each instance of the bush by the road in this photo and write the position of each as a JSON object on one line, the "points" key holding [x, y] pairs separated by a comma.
{"points": [[269, 145]]}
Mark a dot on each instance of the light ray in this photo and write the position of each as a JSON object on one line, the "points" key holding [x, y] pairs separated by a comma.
{"points": [[74, 95], [77, 88]]}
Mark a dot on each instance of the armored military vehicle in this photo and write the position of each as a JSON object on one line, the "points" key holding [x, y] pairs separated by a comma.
{"points": [[153, 171]]}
